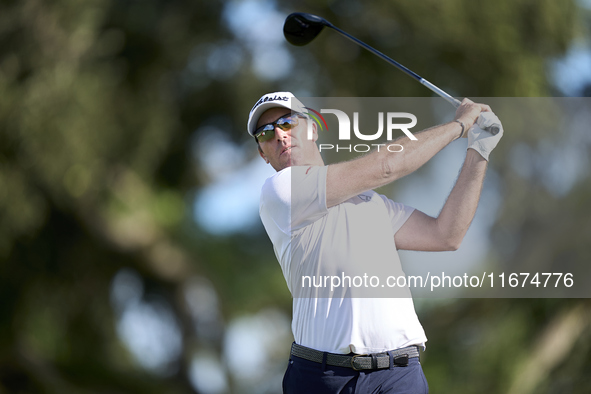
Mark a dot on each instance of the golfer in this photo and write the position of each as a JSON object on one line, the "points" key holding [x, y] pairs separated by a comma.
{"points": [[327, 219]]}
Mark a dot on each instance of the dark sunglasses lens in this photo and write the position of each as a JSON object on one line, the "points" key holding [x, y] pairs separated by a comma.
{"points": [[267, 134], [287, 123], [268, 131]]}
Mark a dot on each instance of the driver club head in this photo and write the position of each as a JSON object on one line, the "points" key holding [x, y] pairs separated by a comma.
{"points": [[301, 28]]}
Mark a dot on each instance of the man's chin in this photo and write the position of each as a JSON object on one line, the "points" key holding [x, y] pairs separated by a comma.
{"points": [[288, 161], [282, 165]]}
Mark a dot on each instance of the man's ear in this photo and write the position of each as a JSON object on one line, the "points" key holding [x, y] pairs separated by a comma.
{"points": [[262, 154], [314, 131]]}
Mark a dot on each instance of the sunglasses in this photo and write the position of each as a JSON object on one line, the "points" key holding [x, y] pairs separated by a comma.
{"points": [[286, 122]]}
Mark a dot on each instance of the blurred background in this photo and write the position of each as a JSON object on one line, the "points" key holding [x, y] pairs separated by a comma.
{"points": [[132, 258]]}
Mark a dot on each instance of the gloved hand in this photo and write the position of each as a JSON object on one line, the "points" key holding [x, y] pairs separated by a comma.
{"points": [[481, 140]]}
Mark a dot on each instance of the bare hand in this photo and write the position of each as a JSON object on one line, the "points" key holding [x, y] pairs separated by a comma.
{"points": [[468, 112]]}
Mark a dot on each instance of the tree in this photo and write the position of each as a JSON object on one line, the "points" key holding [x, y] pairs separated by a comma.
{"points": [[101, 102]]}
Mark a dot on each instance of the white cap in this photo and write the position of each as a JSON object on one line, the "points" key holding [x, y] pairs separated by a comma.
{"points": [[272, 100]]}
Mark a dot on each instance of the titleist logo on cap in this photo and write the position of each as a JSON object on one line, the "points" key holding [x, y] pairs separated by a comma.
{"points": [[268, 98]]}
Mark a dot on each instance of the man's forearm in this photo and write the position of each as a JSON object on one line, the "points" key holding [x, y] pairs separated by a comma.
{"points": [[460, 207], [345, 180], [382, 167], [417, 153]]}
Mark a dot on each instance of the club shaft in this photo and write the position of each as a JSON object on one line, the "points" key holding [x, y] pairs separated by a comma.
{"points": [[453, 101], [423, 81], [494, 128]]}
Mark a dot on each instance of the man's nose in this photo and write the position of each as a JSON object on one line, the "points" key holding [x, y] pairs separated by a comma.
{"points": [[280, 133]]}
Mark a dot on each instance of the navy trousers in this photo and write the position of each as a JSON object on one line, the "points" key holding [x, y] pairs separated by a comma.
{"points": [[308, 377]]}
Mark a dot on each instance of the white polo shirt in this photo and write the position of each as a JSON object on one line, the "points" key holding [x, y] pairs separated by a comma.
{"points": [[354, 237]]}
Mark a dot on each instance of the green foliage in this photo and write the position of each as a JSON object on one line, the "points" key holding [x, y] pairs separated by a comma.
{"points": [[99, 103]]}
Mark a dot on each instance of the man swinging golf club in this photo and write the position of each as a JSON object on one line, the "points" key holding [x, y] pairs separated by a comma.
{"points": [[320, 216]]}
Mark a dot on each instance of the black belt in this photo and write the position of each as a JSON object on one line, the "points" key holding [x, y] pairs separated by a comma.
{"points": [[358, 361]]}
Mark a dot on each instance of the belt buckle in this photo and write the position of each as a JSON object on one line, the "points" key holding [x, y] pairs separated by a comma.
{"points": [[401, 360], [353, 361]]}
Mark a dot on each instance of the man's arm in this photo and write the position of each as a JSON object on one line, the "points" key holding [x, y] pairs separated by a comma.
{"points": [[347, 179], [425, 233]]}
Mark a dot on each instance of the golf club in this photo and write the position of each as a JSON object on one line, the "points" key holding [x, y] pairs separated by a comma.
{"points": [[301, 28]]}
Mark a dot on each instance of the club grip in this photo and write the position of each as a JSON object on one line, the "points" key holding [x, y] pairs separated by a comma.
{"points": [[494, 129]]}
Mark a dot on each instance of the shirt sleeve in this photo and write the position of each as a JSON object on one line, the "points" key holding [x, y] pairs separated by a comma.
{"points": [[295, 197], [399, 213]]}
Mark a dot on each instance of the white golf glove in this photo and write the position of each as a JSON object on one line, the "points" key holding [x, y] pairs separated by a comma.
{"points": [[482, 140]]}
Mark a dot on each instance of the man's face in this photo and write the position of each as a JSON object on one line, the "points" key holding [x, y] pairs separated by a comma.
{"points": [[288, 147]]}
